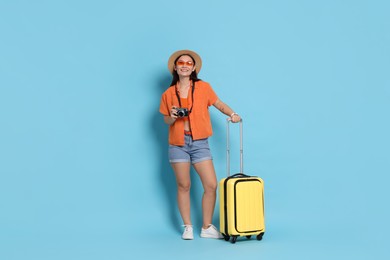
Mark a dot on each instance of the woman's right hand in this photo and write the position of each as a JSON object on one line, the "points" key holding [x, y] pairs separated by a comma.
{"points": [[173, 112], [172, 116]]}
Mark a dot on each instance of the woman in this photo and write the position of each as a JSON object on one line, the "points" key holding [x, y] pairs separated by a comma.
{"points": [[185, 108]]}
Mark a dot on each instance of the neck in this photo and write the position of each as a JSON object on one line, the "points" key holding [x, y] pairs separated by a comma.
{"points": [[184, 81]]}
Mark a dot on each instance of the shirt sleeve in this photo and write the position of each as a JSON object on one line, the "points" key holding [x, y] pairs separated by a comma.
{"points": [[164, 109], [212, 96]]}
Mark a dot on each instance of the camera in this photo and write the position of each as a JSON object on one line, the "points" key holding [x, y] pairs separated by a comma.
{"points": [[181, 112]]}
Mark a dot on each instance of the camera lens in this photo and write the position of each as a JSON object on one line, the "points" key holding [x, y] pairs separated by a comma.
{"points": [[181, 112]]}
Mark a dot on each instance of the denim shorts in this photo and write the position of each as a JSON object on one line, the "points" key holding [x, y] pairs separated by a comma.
{"points": [[193, 151]]}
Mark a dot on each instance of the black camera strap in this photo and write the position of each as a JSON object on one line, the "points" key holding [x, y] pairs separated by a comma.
{"points": [[192, 97]]}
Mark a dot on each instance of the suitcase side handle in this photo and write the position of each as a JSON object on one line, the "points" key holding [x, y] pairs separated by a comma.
{"points": [[228, 147]]}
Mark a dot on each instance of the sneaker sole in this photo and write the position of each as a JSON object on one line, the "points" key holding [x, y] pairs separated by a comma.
{"points": [[210, 236]]}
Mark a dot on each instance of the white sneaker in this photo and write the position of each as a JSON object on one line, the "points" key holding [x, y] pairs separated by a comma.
{"points": [[188, 233], [210, 232]]}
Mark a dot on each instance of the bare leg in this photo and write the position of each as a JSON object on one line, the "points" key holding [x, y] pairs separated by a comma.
{"points": [[206, 171], [183, 180]]}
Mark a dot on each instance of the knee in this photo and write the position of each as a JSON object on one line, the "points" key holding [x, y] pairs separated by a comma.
{"points": [[184, 187], [211, 187]]}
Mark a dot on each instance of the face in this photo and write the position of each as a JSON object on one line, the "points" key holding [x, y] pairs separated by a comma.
{"points": [[184, 66]]}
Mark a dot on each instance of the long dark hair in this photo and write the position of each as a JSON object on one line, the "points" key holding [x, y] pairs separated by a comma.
{"points": [[175, 76]]}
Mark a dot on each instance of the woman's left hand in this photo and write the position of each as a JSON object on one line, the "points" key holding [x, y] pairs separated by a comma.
{"points": [[235, 118]]}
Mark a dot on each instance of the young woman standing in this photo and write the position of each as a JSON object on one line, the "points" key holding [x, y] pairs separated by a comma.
{"points": [[184, 106]]}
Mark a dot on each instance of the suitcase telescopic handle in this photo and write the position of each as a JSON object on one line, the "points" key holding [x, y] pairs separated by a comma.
{"points": [[228, 147]]}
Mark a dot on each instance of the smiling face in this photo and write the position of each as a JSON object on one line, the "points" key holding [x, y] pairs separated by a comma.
{"points": [[184, 66]]}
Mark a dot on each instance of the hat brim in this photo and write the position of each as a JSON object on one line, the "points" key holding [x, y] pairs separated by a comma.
{"points": [[177, 54]]}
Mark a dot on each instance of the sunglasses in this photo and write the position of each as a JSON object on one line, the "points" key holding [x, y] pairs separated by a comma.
{"points": [[182, 63]]}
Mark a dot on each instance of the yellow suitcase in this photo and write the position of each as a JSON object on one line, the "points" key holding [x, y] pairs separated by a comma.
{"points": [[241, 200]]}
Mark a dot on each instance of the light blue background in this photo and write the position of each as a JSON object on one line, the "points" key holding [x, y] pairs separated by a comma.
{"points": [[83, 161]]}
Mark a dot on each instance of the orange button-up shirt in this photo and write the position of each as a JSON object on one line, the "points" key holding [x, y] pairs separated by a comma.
{"points": [[199, 118]]}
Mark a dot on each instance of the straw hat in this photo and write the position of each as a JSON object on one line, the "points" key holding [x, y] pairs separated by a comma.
{"points": [[194, 55]]}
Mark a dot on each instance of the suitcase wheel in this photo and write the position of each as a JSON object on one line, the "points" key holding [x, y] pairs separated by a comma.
{"points": [[234, 239], [226, 237], [260, 236], [249, 237]]}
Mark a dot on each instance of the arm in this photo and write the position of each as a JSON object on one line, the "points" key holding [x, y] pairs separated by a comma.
{"points": [[225, 109]]}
